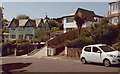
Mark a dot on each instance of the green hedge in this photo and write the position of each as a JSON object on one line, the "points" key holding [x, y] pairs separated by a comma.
{"points": [[116, 46], [80, 42]]}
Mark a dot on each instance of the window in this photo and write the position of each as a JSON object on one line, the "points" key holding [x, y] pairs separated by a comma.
{"points": [[95, 49], [13, 36], [28, 28], [70, 29], [88, 49], [115, 20], [107, 48], [69, 19], [20, 29], [13, 28], [20, 36]]}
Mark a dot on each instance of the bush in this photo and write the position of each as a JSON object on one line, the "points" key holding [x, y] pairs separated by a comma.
{"points": [[21, 40], [105, 34], [80, 42], [41, 38], [6, 48], [116, 46]]}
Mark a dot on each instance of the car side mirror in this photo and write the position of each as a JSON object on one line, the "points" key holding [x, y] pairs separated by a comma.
{"points": [[99, 52]]}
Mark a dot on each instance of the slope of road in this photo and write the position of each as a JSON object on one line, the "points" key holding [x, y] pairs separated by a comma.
{"points": [[41, 53]]}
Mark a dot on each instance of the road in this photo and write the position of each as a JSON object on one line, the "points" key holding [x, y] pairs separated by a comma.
{"points": [[51, 64]]}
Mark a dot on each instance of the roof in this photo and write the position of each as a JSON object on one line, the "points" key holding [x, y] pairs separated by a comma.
{"points": [[89, 14], [114, 2], [114, 15], [37, 21], [96, 45], [23, 22]]}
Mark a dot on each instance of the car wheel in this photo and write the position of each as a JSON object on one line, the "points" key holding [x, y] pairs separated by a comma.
{"points": [[83, 60], [106, 63]]}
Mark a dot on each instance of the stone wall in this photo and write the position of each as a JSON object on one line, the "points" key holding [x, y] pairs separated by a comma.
{"points": [[74, 52]]}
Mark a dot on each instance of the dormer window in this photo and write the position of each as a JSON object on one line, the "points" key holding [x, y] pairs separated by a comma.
{"points": [[20, 29], [28, 28], [69, 19], [13, 28]]}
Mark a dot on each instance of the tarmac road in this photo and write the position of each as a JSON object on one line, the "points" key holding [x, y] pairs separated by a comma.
{"points": [[51, 64]]}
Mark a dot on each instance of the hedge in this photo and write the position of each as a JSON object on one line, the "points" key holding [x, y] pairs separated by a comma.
{"points": [[80, 42], [116, 46]]}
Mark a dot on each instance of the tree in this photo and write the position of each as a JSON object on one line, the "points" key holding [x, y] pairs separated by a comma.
{"points": [[80, 20], [2, 8], [53, 24], [22, 17], [104, 21], [106, 33]]}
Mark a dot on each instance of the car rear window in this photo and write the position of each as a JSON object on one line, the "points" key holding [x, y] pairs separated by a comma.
{"points": [[88, 49]]}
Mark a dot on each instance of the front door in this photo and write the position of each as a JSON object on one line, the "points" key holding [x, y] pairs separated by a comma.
{"points": [[97, 57]]}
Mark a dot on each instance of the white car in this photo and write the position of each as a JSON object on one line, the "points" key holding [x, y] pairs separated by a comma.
{"points": [[100, 53]]}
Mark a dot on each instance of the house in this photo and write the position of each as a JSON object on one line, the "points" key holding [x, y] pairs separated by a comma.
{"points": [[1, 16], [28, 29], [114, 12], [70, 23]]}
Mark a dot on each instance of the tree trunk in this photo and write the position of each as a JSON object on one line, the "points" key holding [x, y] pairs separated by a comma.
{"points": [[79, 30]]}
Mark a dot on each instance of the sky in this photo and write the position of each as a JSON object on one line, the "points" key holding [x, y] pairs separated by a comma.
{"points": [[53, 9]]}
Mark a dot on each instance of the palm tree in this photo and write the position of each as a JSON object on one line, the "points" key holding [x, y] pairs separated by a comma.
{"points": [[80, 20]]}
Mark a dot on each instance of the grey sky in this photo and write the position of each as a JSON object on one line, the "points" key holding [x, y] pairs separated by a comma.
{"points": [[53, 9]]}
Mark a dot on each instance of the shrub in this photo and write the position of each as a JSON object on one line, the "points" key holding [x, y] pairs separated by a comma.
{"points": [[116, 46], [80, 42], [105, 34], [23, 45], [21, 40]]}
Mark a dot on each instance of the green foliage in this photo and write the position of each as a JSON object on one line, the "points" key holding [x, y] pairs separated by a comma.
{"points": [[54, 25], [116, 46], [104, 21], [41, 38], [23, 45], [54, 28], [80, 20], [104, 33], [80, 42], [21, 40]]}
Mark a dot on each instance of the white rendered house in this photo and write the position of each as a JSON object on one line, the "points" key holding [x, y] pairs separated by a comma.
{"points": [[114, 12], [70, 24]]}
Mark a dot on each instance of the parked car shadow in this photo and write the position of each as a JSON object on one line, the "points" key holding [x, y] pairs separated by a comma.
{"points": [[12, 66], [99, 64]]}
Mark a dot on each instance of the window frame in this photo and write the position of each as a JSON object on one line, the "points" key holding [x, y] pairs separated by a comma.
{"points": [[88, 47], [97, 50]]}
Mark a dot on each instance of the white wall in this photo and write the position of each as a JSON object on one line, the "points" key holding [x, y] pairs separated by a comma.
{"points": [[69, 25], [87, 24], [0, 17], [115, 8], [115, 20]]}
